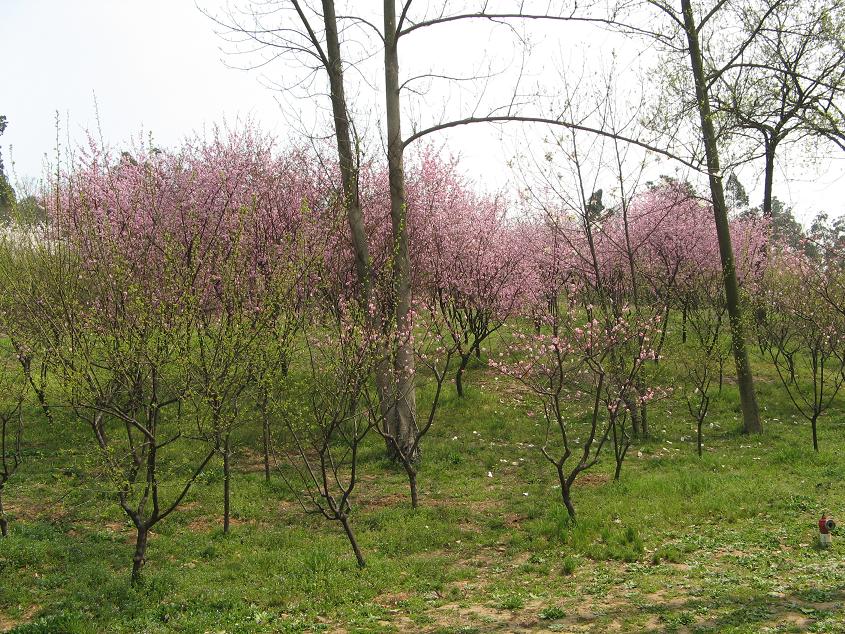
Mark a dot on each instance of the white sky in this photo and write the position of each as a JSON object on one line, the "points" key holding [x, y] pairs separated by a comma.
{"points": [[157, 66]]}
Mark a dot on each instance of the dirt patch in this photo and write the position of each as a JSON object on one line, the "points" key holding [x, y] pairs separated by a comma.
{"points": [[112, 526], [592, 479], [389, 500], [7, 623], [492, 619], [729, 552], [208, 523], [29, 509], [660, 598], [249, 460], [392, 599], [203, 524], [115, 527], [801, 621]]}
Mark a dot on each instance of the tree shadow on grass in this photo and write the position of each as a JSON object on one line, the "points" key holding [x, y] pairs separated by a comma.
{"points": [[795, 612]]}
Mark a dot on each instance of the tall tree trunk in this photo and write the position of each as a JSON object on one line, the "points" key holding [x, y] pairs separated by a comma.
{"points": [[345, 152], [745, 379], [347, 159], [405, 430]]}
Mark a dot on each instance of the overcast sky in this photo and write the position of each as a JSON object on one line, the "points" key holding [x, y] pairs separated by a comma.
{"points": [[157, 66]]}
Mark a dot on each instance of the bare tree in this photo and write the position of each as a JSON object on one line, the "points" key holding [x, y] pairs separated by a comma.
{"points": [[117, 364], [681, 36], [706, 348], [786, 86], [327, 429], [804, 334]]}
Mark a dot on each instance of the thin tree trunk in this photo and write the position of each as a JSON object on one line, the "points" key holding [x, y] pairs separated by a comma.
{"points": [[769, 177], [140, 553], [634, 411], [567, 500], [620, 447], [745, 379], [405, 414], [353, 542], [564, 492], [38, 388], [265, 432], [227, 477], [346, 155], [4, 523], [387, 402], [459, 375], [412, 482], [699, 438], [815, 433]]}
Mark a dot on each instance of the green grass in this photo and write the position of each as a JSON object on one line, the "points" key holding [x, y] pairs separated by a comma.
{"points": [[724, 543]]}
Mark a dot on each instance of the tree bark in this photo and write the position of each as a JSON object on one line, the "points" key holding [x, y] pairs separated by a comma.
{"points": [[354, 215], [412, 482], [26, 364], [405, 430], [745, 379], [227, 484], [140, 553], [699, 439], [265, 428], [634, 410], [567, 499], [353, 542], [4, 523], [346, 154], [459, 375], [769, 177]]}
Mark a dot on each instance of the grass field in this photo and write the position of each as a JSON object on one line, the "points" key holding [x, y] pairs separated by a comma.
{"points": [[725, 543]]}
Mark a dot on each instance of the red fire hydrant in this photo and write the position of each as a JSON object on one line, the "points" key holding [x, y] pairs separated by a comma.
{"points": [[826, 524]]}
